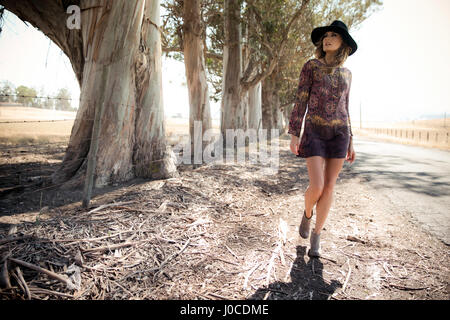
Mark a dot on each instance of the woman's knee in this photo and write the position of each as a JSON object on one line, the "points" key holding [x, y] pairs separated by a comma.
{"points": [[328, 187], [316, 188]]}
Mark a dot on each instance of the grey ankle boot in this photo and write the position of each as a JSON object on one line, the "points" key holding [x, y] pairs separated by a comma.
{"points": [[304, 225], [314, 251]]}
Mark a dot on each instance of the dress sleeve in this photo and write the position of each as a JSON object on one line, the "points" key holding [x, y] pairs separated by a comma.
{"points": [[301, 100], [347, 100]]}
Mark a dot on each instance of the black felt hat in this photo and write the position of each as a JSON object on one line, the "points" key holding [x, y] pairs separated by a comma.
{"points": [[338, 27]]}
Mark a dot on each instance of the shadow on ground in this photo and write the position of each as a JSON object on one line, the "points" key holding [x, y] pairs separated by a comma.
{"points": [[306, 283]]}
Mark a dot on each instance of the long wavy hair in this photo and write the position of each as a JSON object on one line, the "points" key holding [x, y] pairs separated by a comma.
{"points": [[342, 54]]}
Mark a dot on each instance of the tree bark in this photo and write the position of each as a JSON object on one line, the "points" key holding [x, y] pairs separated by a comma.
{"points": [[122, 39], [152, 157], [199, 107]]}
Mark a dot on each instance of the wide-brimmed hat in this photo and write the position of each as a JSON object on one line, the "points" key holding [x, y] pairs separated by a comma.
{"points": [[338, 27]]}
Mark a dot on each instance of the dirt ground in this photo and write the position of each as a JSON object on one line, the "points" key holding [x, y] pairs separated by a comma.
{"points": [[220, 231]]}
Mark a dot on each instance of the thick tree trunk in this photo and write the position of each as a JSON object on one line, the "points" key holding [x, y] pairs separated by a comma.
{"points": [[121, 39], [152, 158], [199, 107], [233, 115]]}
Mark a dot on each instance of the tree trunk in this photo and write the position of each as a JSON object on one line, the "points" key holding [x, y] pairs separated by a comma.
{"points": [[286, 114], [233, 115], [272, 117], [120, 39], [277, 115], [266, 104], [254, 107], [152, 157], [199, 108]]}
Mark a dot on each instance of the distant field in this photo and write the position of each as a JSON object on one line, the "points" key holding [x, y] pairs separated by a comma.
{"points": [[24, 113], [428, 133], [435, 124], [60, 129]]}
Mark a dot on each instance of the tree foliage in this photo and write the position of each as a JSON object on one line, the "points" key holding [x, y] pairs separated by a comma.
{"points": [[274, 32]]}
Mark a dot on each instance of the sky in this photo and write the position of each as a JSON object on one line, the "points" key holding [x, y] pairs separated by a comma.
{"points": [[402, 66], [400, 71]]}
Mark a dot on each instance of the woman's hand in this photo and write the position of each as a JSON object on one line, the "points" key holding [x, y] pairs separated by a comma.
{"points": [[295, 142], [351, 155]]}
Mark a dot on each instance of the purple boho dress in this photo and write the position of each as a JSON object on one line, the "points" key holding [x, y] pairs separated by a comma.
{"points": [[324, 99]]}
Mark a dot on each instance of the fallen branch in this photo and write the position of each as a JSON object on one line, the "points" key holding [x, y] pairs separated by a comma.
{"points": [[103, 206], [22, 280], [111, 247], [215, 295], [406, 288], [74, 241], [49, 273], [354, 239], [327, 258], [36, 290], [5, 283]]}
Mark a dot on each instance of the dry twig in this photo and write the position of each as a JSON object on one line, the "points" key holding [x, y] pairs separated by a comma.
{"points": [[51, 274], [347, 277]]}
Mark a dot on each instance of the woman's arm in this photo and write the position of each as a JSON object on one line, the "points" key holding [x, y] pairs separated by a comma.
{"points": [[301, 100]]}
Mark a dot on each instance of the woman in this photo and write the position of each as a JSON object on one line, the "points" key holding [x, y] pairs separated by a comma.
{"points": [[326, 141]]}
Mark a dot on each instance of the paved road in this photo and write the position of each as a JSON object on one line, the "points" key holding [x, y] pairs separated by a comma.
{"points": [[415, 179]]}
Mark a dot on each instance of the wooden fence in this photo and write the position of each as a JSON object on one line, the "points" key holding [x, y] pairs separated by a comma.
{"points": [[422, 137]]}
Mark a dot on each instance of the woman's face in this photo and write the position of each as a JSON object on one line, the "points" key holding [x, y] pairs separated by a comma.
{"points": [[331, 41]]}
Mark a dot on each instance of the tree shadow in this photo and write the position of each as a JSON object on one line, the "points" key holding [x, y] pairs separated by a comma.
{"points": [[389, 171], [307, 282]]}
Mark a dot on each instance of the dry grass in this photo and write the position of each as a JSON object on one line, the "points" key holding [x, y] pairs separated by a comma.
{"points": [[426, 133], [13, 133], [25, 113], [60, 130]]}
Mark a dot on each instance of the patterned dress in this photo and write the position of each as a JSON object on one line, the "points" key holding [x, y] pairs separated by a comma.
{"points": [[324, 99]]}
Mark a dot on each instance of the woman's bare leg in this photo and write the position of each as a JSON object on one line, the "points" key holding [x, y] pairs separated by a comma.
{"points": [[332, 169], [316, 174]]}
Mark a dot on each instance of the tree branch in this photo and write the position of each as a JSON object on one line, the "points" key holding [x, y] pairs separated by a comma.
{"points": [[275, 58], [50, 17]]}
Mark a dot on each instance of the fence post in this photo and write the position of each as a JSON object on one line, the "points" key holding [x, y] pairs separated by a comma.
{"points": [[92, 157]]}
